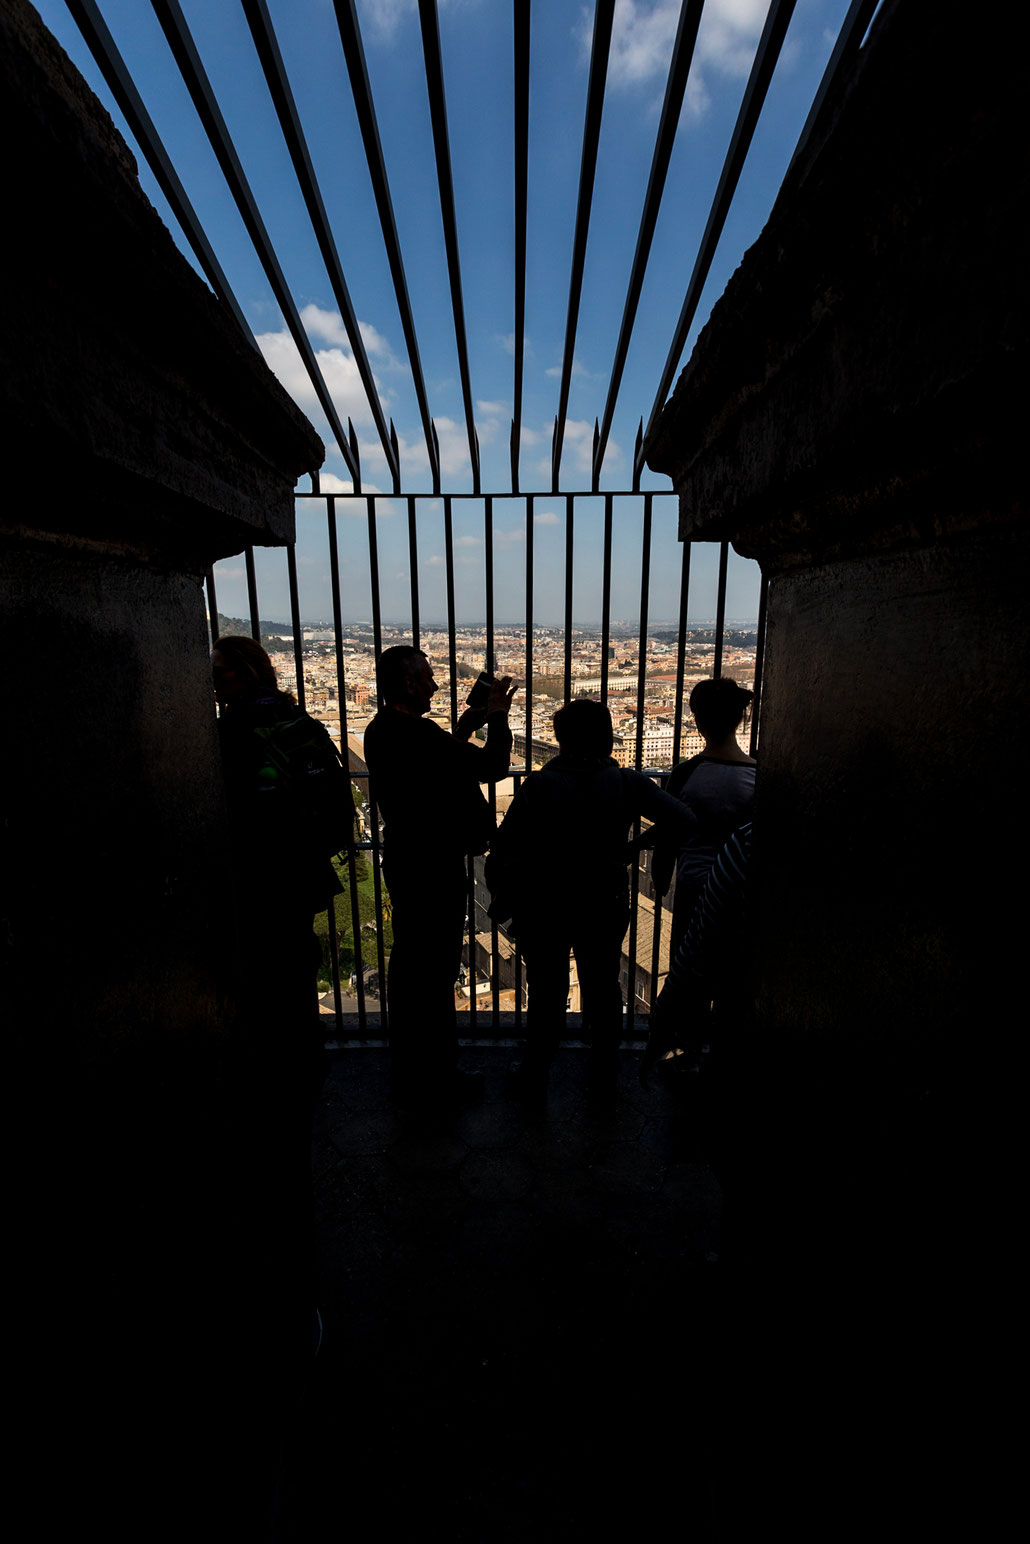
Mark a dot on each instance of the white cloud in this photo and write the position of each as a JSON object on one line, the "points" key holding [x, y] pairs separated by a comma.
{"points": [[579, 370], [339, 371], [468, 541], [325, 325], [383, 17], [578, 449], [492, 409], [643, 35], [328, 482], [547, 517]]}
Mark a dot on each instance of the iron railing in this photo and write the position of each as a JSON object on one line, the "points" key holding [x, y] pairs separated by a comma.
{"points": [[350, 543]]}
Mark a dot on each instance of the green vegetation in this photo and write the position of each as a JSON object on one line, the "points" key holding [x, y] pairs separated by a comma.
{"points": [[343, 918]]}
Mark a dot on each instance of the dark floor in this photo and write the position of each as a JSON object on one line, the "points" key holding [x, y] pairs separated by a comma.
{"points": [[733, 1304], [500, 1292], [560, 1326]]}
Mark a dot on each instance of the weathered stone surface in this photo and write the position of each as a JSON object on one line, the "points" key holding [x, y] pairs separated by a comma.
{"points": [[134, 413], [852, 417], [860, 382]]}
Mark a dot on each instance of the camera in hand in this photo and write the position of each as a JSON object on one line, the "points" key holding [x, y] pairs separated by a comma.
{"points": [[477, 697]]}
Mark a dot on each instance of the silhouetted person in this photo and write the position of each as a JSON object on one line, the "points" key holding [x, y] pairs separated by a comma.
{"points": [[718, 786], [712, 964], [426, 783], [290, 806], [558, 868]]}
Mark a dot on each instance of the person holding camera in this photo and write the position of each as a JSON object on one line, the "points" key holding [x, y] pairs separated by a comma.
{"points": [[426, 782]]}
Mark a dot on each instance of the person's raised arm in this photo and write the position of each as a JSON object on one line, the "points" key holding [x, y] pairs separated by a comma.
{"points": [[491, 761]]}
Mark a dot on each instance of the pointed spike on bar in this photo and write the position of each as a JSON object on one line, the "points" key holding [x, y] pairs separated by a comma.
{"points": [[435, 457], [638, 456], [513, 456], [396, 468], [476, 474], [315, 485], [554, 456], [356, 453], [595, 464]]}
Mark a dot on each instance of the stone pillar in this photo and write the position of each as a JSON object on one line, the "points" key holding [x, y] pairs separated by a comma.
{"points": [[852, 417], [144, 438]]}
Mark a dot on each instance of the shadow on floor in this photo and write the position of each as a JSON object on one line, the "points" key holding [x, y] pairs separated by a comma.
{"points": [[570, 1325], [509, 1302]]}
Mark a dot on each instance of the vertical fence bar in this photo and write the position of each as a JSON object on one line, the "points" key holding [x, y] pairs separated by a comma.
{"points": [[677, 721], [488, 580], [634, 893], [720, 608], [212, 606], [377, 877], [252, 594], [413, 572], [529, 630], [606, 595], [373, 573], [298, 636], [452, 632], [756, 685], [570, 516], [488, 535], [341, 694]]}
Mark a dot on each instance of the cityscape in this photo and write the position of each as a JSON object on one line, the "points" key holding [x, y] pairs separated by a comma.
{"points": [[491, 970], [536, 700]]}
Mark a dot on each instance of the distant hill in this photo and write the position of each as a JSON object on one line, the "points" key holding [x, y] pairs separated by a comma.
{"points": [[228, 626]]}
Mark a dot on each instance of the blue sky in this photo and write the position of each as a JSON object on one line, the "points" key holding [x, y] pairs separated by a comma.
{"points": [[476, 38]]}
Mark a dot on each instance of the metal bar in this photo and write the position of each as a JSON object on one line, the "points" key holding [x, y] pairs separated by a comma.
{"points": [[529, 630], [452, 634], [570, 508], [679, 69], [631, 946], [184, 50], [413, 572], [604, 13], [849, 41], [656, 946], [539, 493], [769, 45], [471, 903], [298, 636], [263, 33], [130, 104], [334, 963], [438, 114], [645, 574], [606, 594], [373, 573], [377, 645], [521, 75], [341, 695], [252, 594], [756, 685], [212, 606], [720, 608], [488, 558], [677, 719], [354, 54]]}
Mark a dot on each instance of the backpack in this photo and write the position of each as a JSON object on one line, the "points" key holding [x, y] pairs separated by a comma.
{"points": [[302, 770]]}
